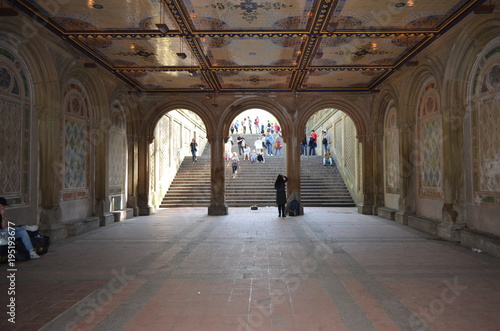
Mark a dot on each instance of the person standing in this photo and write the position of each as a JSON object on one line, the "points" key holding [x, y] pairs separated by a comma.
{"points": [[258, 145], [194, 149], [324, 141], [303, 147], [250, 124], [256, 122], [228, 148], [244, 124], [19, 231], [269, 143], [280, 187], [279, 145], [240, 140], [234, 161], [312, 143]]}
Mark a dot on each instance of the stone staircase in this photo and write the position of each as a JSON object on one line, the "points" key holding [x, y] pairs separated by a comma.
{"points": [[254, 184]]}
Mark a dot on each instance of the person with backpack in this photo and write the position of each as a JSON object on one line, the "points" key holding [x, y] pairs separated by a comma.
{"points": [[17, 231], [269, 144], [241, 143], [280, 187], [312, 143], [279, 145], [194, 148], [234, 161], [324, 141]]}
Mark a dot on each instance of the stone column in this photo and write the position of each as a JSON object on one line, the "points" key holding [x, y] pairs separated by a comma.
{"points": [[133, 173], [378, 171], [293, 169], [143, 191], [100, 143], [51, 173], [217, 176], [453, 213], [409, 158], [367, 143]]}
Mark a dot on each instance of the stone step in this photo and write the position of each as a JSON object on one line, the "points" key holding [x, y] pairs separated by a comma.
{"points": [[254, 184]]}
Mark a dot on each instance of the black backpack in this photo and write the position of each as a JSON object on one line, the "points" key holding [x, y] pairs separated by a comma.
{"points": [[21, 253], [40, 242]]}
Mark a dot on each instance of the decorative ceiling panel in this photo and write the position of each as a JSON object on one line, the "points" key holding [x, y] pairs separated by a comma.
{"points": [[259, 80], [364, 51], [166, 80], [107, 15], [341, 79], [248, 15], [249, 45], [252, 52], [392, 15], [140, 52]]}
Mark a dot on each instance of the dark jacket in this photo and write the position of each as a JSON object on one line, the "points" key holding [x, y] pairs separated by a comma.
{"points": [[280, 186]]}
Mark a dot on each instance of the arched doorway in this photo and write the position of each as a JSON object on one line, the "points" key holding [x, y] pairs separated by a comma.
{"points": [[169, 150], [330, 160], [255, 135]]}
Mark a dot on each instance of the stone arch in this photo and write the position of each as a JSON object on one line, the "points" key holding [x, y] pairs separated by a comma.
{"points": [[44, 95], [155, 112], [463, 62], [267, 104], [481, 155], [359, 118], [413, 89]]}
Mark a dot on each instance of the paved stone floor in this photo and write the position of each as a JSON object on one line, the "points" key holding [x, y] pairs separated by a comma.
{"points": [[331, 269]]}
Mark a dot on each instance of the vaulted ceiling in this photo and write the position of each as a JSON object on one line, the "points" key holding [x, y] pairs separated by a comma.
{"points": [[250, 45]]}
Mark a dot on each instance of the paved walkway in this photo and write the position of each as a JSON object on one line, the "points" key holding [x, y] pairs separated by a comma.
{"points": [[331, 269]]}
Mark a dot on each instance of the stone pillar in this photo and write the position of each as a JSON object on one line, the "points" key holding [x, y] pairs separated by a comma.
{"points": [[293, 168], [51, 173], [409, 158], [367, 206], [217, 176], [133, 173], [100, 142], [453, 213], [378, 171], [143, 191]]}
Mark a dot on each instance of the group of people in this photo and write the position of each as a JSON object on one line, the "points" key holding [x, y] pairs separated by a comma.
{"points": [[247, 124], [309, 145]]}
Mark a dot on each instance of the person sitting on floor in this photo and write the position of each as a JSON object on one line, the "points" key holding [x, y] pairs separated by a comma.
{"points": [[19, 231]]}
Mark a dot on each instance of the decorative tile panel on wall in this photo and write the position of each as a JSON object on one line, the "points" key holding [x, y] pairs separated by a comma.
{"points": [[486, 131], [164, 148], [430, 144], [338, 137], [350, 146], [391, 152], [76, 152], [15, 130], [117, 151]]}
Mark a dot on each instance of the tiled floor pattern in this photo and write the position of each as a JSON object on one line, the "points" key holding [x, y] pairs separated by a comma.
{"points": [[331, 269]]}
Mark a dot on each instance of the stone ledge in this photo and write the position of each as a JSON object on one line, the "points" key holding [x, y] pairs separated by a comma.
{"points": [[484, 241], [387, 213], [107, 219], [122, 214], [423, 224], [80, 226]]}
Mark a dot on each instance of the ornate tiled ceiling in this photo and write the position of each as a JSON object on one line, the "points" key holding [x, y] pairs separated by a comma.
{"points": [[249, 45]]}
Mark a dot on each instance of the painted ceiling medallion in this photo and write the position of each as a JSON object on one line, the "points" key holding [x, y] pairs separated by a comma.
{"points": [[366, 49], [249, 8]]}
